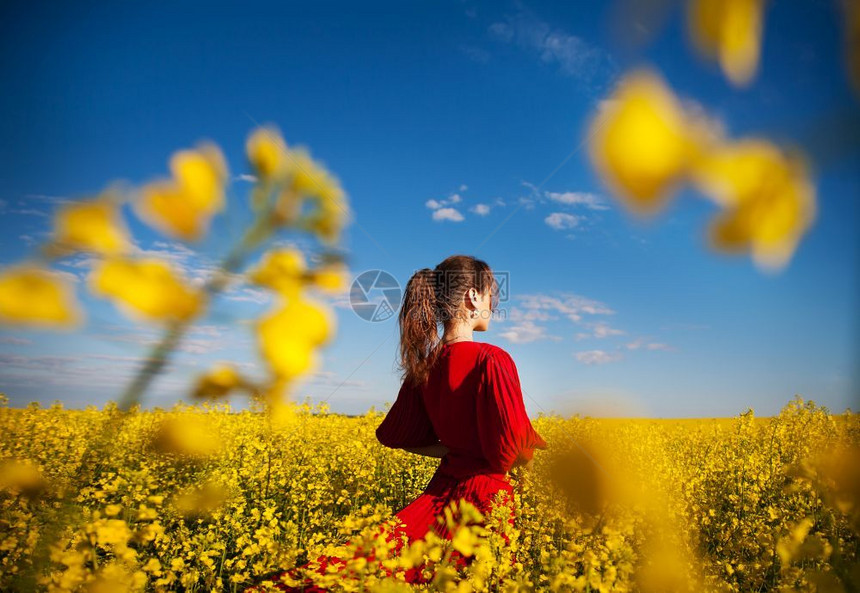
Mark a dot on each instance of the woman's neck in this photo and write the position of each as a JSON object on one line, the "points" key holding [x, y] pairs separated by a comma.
{"points": [[459, 333]]}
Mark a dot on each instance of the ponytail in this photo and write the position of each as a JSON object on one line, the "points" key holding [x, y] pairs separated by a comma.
{"points": [[419, 334]]}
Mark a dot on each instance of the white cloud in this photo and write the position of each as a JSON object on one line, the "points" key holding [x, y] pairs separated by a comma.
{"points": [[480, 209], [443, 211], [517, 314], [642, 342], [246, 177], [200, 339], [575, 57], [597, 356], [447, 214], [659, 346], [602, 330], [590, 201], [476, 54], [526, 332], [599, 329], [571, 306], [527, 202], [561, 220], [248, 294]]}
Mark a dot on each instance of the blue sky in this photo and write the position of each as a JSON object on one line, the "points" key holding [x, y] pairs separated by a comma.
{"points": [[443, 121]]}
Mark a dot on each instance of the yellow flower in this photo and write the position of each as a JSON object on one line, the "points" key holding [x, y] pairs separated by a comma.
{"points": [[788, 546], [731, 32], [331, 215], [464, 541], [639, 142], [148, 288], [182, 207], [218, 382], [36, 296], [768, 198], [289, 336], [282, 270], [198, 501], [93, 225], [309, 178], [116, 578], [280, 409], [201, 174], [839, 469], [19, 475], [330, 277], [664, 568], [267, 153], [186, 435]]}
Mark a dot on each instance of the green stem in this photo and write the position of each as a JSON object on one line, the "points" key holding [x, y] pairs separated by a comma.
{"points": [[160, 354]]}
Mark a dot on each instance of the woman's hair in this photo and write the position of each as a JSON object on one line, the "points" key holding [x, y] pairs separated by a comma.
{"points": [[432, 298]]}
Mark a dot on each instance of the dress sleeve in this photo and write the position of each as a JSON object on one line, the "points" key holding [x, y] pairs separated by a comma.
{"points": [[407, 423], [504, 429]]}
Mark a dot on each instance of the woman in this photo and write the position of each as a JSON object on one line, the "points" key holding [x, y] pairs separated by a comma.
{"points": [[460, 400]]}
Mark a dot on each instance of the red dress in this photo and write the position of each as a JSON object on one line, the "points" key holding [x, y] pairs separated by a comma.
{"points": [[472, 403]]}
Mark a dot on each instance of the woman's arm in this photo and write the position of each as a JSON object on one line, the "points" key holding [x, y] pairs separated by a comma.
{"points": [[437, 450]]}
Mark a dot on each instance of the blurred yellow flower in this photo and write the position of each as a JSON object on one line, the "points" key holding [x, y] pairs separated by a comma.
{"points": [[282, 270], [281, 411], [93, 225], [313, 180], [198, 501], [31, 295], [839, 470], [147, 288], [664, 567], [729, 31], [268, 153], [769, 201], [21, 476], [639, 142], [288, 337], [330, 217], [581, 478], [788, 546], [182, 207], [288, 356], [464, 540], [218, 382], [309, 177], [188, 435], [331, 278], [116, 578]]}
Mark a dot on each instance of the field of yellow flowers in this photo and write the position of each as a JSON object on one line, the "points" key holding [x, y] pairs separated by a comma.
{"points": [[734, 504]]}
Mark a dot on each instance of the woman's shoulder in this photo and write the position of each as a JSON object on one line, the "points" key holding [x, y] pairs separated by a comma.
{"points": [[491, 352]]}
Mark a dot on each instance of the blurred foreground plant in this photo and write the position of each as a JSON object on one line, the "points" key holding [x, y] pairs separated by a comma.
{"points": [[646, 145], [292, 192], [150, 290]]}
